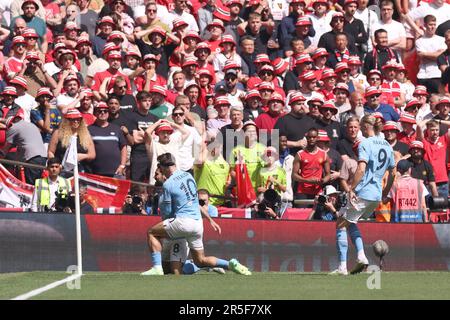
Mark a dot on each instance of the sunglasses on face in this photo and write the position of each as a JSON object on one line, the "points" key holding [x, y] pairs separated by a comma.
{"points": [[102, 111], [178, 114], [375, 79], [266, 73], [75, 120], [122, 87]]}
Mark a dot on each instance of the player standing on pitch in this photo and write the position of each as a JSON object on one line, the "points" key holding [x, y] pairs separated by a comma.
{"points": [[180, 201], [375, 156]]}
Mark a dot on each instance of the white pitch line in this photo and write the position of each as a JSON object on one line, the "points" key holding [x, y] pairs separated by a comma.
{"points": [[50, 286]]}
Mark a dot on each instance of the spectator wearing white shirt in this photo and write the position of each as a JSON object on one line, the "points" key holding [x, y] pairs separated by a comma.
{"points": [[395, 30], [321, 19], [429, 47], [180, 12], [437, 8], [368, 17]]}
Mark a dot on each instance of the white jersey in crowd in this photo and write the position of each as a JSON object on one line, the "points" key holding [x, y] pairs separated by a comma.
{"points": [[188, 149], [429, 69], [394, 30], [408, 89], [27, 103], [321, 25], [279, 9], [442, 13], [370, 19]]}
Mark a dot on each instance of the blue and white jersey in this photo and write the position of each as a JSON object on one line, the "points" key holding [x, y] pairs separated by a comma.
{"points": [[179, 198], [379, 156]]}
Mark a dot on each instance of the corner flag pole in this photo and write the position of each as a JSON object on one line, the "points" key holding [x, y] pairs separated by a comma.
{"points": [[77, 210]]}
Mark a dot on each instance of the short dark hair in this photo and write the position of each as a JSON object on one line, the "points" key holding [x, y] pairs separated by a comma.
{"points": [[339, 33], [203, 191], [143, 95], [429, 18], [166, 160], [112, 96], [246, 37], [378, 31], [52, 161]]}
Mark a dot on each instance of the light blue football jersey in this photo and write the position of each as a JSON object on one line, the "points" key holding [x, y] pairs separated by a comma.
{"points": [[379, 156], [179, 198]]}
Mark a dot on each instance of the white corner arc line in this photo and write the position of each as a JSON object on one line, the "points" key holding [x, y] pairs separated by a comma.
{"points": [[50, 286]]}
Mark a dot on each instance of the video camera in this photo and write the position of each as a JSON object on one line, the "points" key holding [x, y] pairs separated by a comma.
{"points": [[271, 200], [341, 200], [64, 201], [438, 203]]}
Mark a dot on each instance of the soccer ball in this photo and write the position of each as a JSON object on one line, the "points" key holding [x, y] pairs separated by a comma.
{"points": [[380, 248]]}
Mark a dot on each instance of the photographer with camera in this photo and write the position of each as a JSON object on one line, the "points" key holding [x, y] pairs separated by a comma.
{"points": [[136, 202], [327, 204], [268, 206], [50, 193]]}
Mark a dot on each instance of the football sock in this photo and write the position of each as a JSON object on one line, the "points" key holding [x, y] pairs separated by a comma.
{"points": [[342, 246], [156, 259], [222, 263], [190, 268], [355, 235]]}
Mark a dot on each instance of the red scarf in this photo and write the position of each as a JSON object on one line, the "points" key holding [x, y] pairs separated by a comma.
{"points": [[342, 57]]}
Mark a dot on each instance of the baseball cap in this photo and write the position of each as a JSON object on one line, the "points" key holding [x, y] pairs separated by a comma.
{"points": [[165, 126]]}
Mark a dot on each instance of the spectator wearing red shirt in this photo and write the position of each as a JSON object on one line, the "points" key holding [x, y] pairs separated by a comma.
{"points": [[267, 120], [216, 29], [436, 148], [329, 81], [408, 134], [203, 54], [147, 76], [114, 59], [391, 86], [13, 65], [311, 168]]}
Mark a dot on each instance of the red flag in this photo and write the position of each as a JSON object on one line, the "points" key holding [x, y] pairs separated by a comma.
{"points": [[105, 192], [244, 189]]}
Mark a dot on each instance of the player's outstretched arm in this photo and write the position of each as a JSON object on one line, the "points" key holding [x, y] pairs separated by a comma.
{"points": [[389, 183], [205, 214]]}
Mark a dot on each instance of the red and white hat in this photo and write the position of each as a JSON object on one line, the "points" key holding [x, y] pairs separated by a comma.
{"points": [[303, 21], [101, 105], [346, 2], [276, 97], [342, 86], [371, 91], [230, 64], [115, 35], [21, 81], [267, 67], [82, 40], [373, 71], [44, 91], [391, 64], [329, 105], [323, 136], [221, 100], [164, 126], [328, 73], [232, 2], [252, 94], [279, 65], [227, 39], [32, 55], [159, 31], [159, 89], [202, 45], [192, 84], [262, 58], [109, 46], [87, 91], [65, 52], [73, 113], [106, 19], [71, 25], [222, 13], [443, 101], [416, 144], [70, 78], [178, 22], [205, 72], [9, 90], [316, 99], [30, 33], [390, 125], [303, 58], [266, 86], [401, 67], [411, 103], [377, 115], [320, 52], [297, 1], [319, 1], [114, 55], [216, 23], [189, 61], [150, 56], [407, 117], [420, 90], [18, 39], [296, 96], [192, 34], [337, 15], [354, 60], [133, 53], [341, 66], [307, 76]]}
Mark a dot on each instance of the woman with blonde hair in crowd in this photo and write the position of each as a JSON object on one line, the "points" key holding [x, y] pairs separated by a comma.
{"points": [[72, 124]]}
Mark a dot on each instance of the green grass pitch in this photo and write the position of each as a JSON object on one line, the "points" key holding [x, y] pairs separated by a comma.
{"points": [[209, 286]]}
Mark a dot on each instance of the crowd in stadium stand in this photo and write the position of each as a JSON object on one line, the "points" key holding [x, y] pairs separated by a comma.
{"points": [[276, 84]]}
